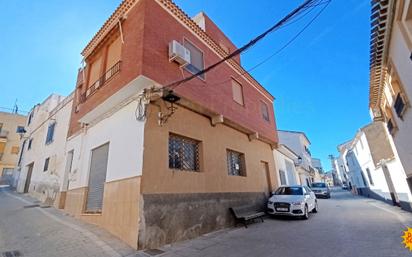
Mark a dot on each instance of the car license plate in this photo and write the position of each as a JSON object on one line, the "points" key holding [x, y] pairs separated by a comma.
{"points": [[282, 209]]}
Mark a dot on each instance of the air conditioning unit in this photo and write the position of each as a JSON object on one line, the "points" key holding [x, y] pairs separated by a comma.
{"points": [[178, 53]]}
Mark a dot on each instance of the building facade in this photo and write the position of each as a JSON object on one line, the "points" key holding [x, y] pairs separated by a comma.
{"points": [[285, 160], [299, 144], [42, 164], [391, 77], [170, 159], [374, 167], [10, 124]]}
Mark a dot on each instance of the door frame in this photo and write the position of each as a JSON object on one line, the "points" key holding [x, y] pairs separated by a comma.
{"points": [[28, 177]]}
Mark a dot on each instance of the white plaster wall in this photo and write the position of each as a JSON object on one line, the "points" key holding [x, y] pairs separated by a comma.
{"points": [[297, 143], [399, 180], [399, 53], [365, 161], [45, 184], [125, 135], [291, 176]]}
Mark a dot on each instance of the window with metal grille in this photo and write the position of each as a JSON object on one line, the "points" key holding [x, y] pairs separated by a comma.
{"points": [[399, 105], [183, 153], [50, 133], [236, 163]]}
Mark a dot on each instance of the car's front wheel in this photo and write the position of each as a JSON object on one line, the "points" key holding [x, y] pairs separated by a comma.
{"points": [[316, 208], [306, 213]]}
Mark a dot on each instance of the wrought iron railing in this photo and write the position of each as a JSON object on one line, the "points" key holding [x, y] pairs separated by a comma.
{"points": [[102, 81]]}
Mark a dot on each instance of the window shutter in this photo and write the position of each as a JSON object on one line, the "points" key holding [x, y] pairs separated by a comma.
{"points": [[237, 92], [113, 53], [94, 73], [97, 178]]}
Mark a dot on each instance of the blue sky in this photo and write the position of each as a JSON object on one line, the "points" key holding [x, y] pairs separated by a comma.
{"points": [[320, 81]]}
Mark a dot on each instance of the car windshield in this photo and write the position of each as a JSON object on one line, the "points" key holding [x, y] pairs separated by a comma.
{"points": [[289, 191], [318, 185]]}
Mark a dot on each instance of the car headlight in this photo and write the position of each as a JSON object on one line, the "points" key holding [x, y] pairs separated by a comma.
{"points": [[297, 203], [270, 202]]}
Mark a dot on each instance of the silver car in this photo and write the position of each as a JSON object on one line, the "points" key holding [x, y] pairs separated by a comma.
{"points": [[321, 189]]}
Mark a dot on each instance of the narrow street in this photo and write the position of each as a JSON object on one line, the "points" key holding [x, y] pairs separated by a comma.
{"points": [[345, 226]]}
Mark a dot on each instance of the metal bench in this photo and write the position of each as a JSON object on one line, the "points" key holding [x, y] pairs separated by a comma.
{"points": [[246, 213]]}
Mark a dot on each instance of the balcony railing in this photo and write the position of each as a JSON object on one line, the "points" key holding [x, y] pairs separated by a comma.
{"points": [[4, 133], [102, 81]]}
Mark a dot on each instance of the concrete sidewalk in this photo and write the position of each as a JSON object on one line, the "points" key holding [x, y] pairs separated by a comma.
{"points": [[346, 225], [42, 232]]}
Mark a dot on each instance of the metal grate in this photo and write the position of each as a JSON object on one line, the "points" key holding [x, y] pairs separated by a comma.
{"points": [[236, 163], [11, 254], [183, 153]]}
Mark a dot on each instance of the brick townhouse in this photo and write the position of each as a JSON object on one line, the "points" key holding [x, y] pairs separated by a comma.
{"points": [[154, 167]]}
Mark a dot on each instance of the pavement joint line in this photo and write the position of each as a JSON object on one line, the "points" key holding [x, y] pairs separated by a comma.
{"points": [[109, 250], [400, 218]]}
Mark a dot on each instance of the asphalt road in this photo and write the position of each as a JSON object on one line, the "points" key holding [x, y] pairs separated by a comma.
{"points": [[346, 226]]}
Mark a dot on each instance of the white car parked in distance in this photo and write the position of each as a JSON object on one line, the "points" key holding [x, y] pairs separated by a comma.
{"points": [[293, 201]]}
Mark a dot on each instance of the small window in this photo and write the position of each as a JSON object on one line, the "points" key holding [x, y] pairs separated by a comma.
{"points": [[15, 150], [50, 133], [30, 118], [369, 176], [46, 164], [196, 59], [390, 122], [183, 153], [399, 105], [30, 144], [265, 111], [237, 92], [20, 129], [236, 163], [282, 177]]}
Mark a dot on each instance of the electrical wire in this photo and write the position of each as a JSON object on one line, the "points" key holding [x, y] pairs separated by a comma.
{"points": [[277, 51], [284, 20]]}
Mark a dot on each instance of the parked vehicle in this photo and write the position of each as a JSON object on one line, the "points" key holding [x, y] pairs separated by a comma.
{"points": [[345, 187], [293, 201], [321, 189]]}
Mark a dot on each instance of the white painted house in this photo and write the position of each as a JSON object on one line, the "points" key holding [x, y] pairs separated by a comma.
{"points": [[285, 160], [381, 169], [43, 149], [299, 143], [391, 77]]}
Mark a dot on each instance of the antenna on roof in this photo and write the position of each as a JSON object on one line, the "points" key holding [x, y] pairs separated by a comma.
{"points": [[15, 107]]}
